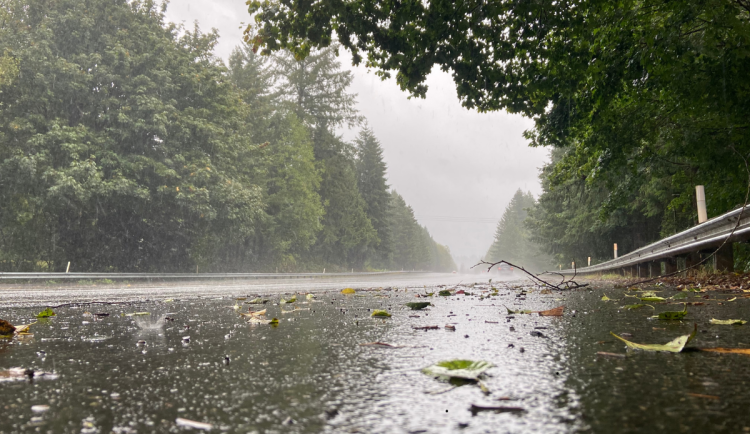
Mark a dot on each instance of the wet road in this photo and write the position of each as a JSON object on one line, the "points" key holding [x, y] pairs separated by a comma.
{"points": [[311, 373], [59, 293]]}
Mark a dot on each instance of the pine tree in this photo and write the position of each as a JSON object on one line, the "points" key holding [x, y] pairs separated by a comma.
{"points": [[371, 180]]}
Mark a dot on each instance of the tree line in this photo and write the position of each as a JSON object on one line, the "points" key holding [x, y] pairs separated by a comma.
{"points": [[127, 145], [637, 100]]}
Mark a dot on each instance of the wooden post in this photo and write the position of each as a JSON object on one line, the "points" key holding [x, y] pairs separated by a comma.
{"points": [[643, 270], [724, 258], [670, 265], [700, 198]]}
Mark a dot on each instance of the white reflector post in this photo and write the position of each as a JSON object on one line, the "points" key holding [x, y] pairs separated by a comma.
{"points": [[700, 196], [615, 250]]}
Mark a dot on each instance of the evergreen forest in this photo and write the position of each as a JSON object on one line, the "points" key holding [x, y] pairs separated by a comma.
{"points": [[127, 145], [638, 101]]}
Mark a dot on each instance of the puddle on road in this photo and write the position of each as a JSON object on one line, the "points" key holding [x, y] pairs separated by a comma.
{"points": [[199, 360]]}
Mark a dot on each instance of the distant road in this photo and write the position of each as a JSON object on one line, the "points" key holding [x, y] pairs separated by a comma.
{"points": [[39, 294]]}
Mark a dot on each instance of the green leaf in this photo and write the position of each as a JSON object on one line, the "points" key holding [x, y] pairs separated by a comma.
{"points": [[463, 369], [727, 321], [674, 346], [637, 306], [520, 312], [257, 301], [418, 305], [605, 298], [444, 293], [672, 315], [274, 322], [46, 313], [348, 291], [379, 313]]}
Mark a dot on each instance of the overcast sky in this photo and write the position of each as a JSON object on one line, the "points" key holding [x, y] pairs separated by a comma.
{"points": [[458, 169]]}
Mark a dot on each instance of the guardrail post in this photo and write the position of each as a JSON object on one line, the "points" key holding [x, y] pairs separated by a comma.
{"points": [[724, 258], [700, 198], [670, 265], [643, 270]]}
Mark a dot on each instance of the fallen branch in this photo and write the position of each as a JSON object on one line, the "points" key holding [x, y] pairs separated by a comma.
{"points": [[83, 303], [565, 284]]}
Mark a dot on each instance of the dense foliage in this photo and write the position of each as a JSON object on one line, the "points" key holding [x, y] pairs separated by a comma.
{"points": [[126, 145], [640, 100]]}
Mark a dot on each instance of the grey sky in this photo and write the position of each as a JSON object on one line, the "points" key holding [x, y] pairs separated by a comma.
{"points": [[458, 169]]}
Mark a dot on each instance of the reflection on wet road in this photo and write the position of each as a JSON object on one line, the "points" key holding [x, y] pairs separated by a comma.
{"points": [[198, 359]]}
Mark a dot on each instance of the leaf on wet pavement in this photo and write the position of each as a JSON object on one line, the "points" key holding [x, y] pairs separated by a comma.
{"points": [[24, 328], [257, 301], [310, 296], [444, 293], [605, 298], [521, 312], [379, 313], [418, 305], [46, 313], [558, 311], [474, 409], [136, 314], [727, 321], [672, 315], [674, 346], [348, 291], [379, 345], [637, 306], [6, 329], [193, 424], [651, 296], [463, 369], [745, 351]]}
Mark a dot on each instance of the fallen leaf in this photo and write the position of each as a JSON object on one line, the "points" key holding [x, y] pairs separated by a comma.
{"points": [[310, 296], [521, 312], [463, 369], [615, 355], [46, 313], [379, 344], [637, 306], [474, 409], [558, 311], [6, 328], [348, 291], [732, 299], [24, 328], [444, 293], [679, 296], [193, 424], [700, 395], [418, 305], [745, 351], [672, 315], [674, 346], [425, 328], [605, 298], [257, 301], [727, 321], [379, 313]]}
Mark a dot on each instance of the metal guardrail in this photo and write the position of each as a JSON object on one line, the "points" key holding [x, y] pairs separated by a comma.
{"points": [[707, 235], [184, 276]]}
